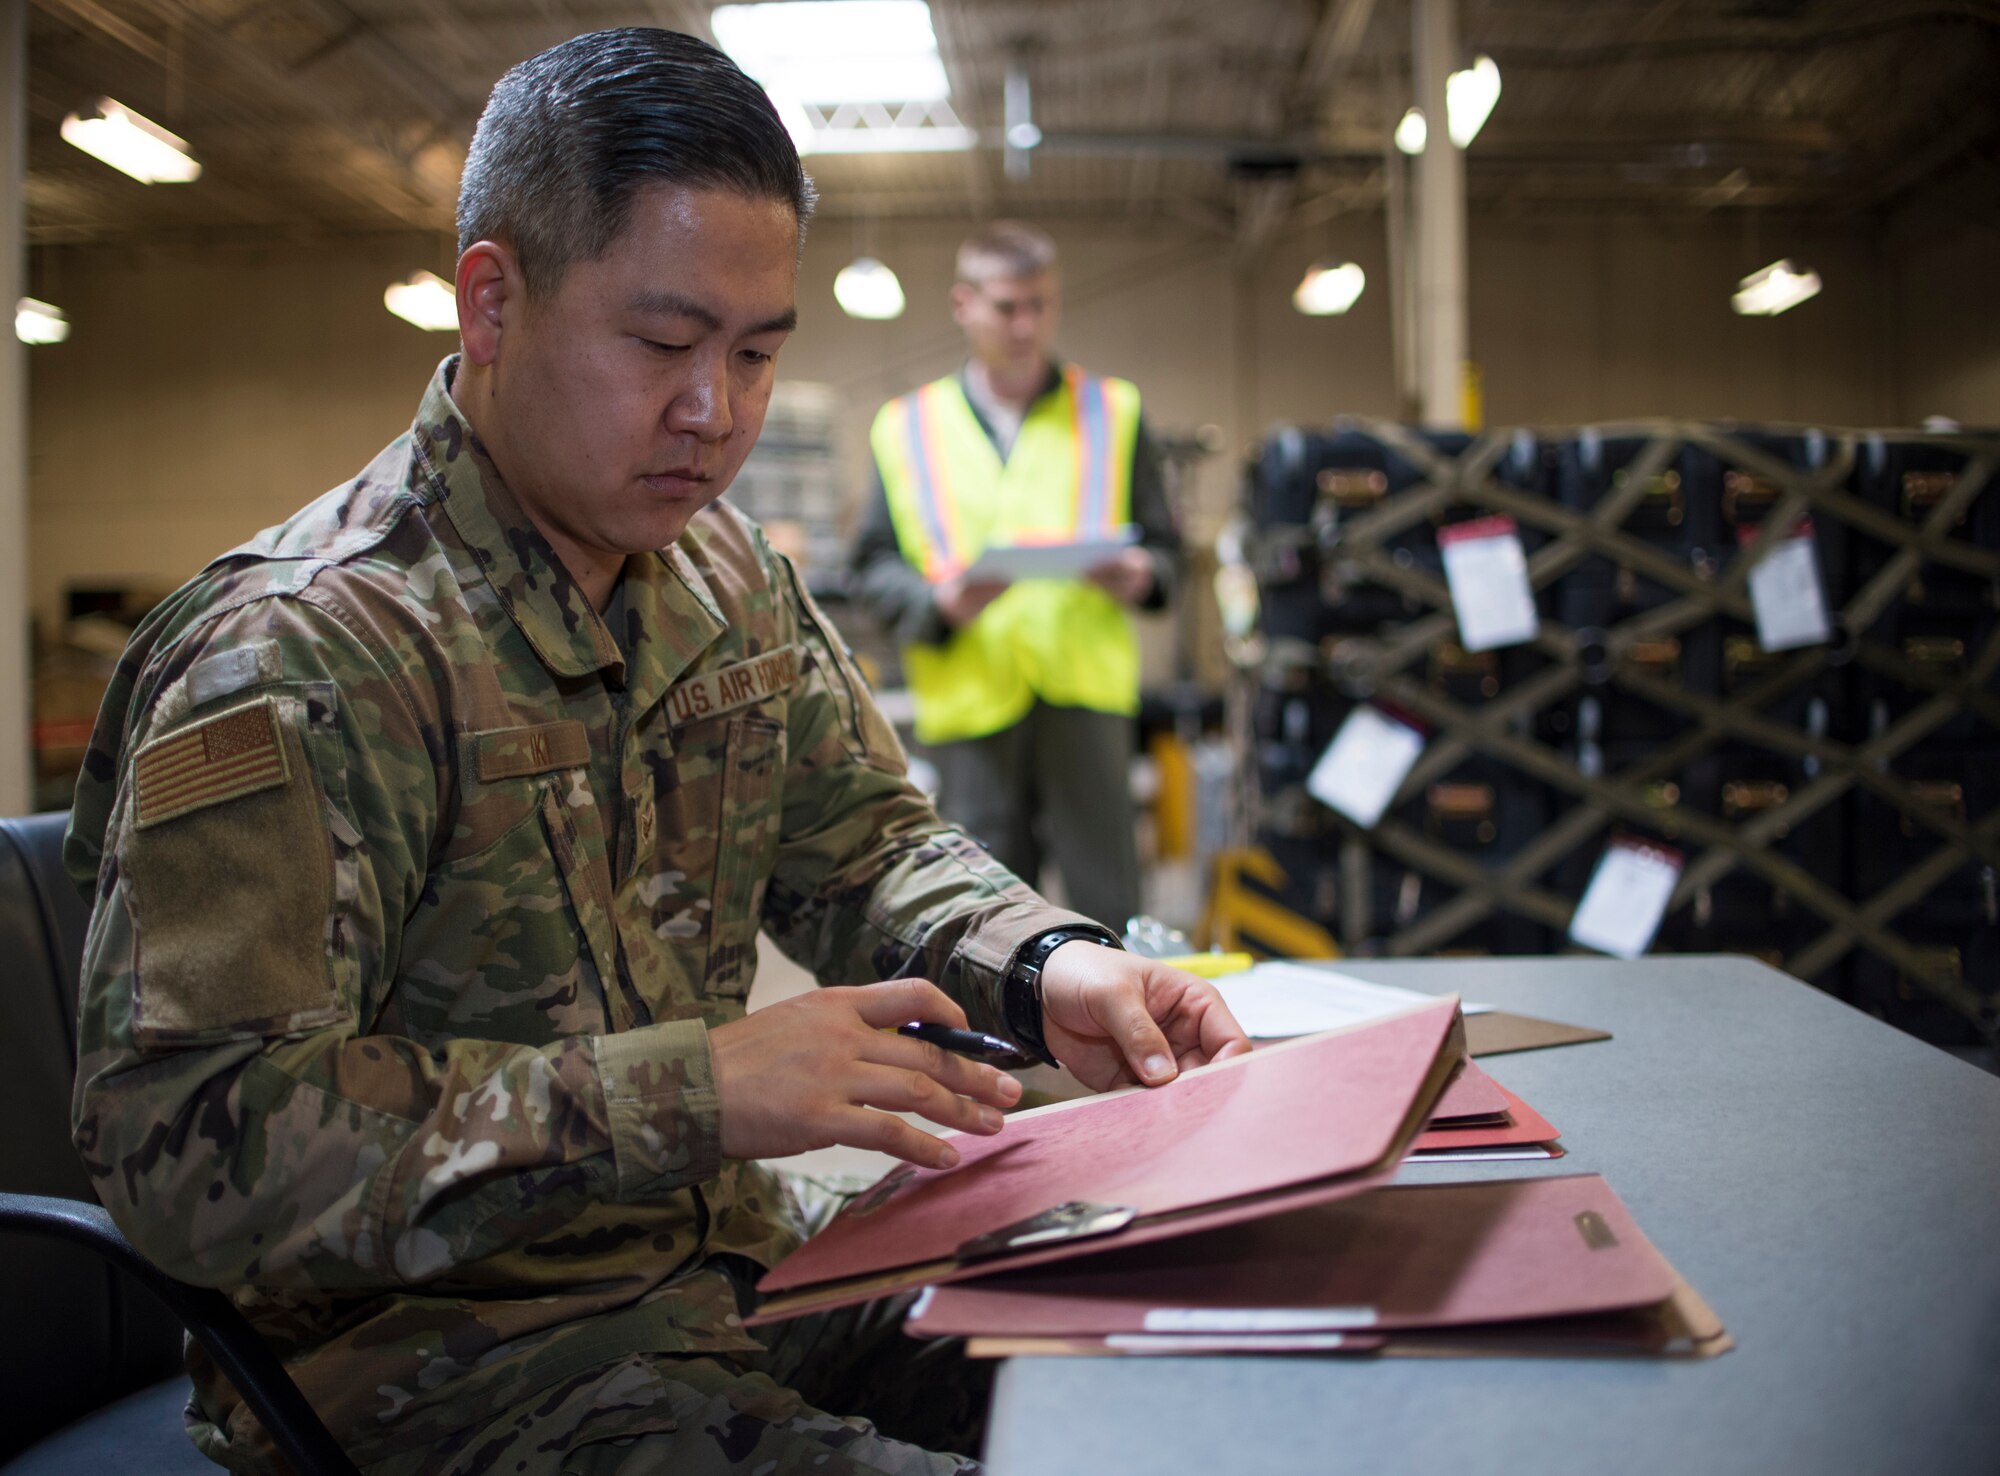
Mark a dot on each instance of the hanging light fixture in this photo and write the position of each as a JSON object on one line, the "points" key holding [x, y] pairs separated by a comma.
{"points": [[1329, 286], [38, 322], [1771, 290], [1469, 97], [131, 143], [425, 300], [1412, 132], [867, 288]]}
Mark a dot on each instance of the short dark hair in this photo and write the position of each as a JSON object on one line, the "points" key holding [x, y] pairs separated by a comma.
{"points": [[1005, 248], [570, 135]]}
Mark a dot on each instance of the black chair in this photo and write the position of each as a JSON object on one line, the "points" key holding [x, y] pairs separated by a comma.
{"points": [[92, 1329]]}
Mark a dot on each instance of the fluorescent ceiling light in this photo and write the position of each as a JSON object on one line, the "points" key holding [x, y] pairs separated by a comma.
{"points": [[1771, 290], [39, 322], [1469, 97], [836, 51], [426, 300], [865, 288], [1329, 286], [1412, 132], [128, 142]]}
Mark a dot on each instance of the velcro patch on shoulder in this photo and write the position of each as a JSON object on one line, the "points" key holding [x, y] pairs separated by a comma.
{"points": [[735, 686], [512, 753], [221, 758], [227, 672]]}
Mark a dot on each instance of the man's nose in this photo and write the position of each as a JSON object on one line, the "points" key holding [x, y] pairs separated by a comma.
{"points": [[701, 408]]}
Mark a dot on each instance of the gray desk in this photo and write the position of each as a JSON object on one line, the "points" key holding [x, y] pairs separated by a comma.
{"points": [[1831, 1186]]}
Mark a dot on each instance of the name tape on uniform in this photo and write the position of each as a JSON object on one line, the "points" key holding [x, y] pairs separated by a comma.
{"points": [[1627, 898], [1786, 594], [1365, 764], [735, 686], [1487, 571]]}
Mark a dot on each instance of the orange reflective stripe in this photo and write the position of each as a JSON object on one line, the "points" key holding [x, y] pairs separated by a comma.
{"points": [[943, 553], [1094, 454]]}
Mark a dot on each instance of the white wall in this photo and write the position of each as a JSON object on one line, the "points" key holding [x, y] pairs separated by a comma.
{"points": [[206, 394]]}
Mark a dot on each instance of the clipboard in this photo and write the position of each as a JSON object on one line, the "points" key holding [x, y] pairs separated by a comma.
{"points": [[1066, 560]]}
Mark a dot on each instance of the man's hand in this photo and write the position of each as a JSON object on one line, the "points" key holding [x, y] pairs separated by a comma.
{"points": [[818, 1070], [1127, 577], [1114, 1018], [960, 599]]}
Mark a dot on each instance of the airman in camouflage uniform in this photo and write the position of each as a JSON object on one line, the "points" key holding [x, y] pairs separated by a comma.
{"points": [[427, 886]]}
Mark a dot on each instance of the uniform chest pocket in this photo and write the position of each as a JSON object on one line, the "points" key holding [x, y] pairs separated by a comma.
{"points": [[746, 827], [509, 939]]}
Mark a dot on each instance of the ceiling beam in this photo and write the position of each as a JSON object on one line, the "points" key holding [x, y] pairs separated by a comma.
{"points": [[956, 51], [1342, 24], [381, 176]]}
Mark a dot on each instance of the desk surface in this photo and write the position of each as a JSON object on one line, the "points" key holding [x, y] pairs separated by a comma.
{"points": [[1830, 1185]]}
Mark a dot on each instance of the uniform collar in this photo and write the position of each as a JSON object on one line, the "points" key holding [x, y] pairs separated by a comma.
{"points": [[671, 617], [666, 600]]}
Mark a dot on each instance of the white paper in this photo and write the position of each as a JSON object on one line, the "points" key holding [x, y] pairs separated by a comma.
{"points": [[1365, 765], [1490, 592], [1495, 1153], [1168, 1343], [1050, 560], [1786, 594], [1256, 1319], [1274, 1000], [1627, 896]]}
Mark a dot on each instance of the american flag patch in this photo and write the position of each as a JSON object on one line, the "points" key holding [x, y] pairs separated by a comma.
{"points": [[221, 758]]}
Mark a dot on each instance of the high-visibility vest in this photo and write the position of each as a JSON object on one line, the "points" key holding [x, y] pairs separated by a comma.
{"points": [[1068, 476]]}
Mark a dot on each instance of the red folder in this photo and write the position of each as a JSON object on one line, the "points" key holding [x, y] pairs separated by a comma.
{"points": [[1543, 1263], [1294, 1123], [1472, 1098], [1520, 1126]]}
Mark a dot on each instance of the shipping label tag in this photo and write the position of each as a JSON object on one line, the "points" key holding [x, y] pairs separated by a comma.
{"points": [[1627, 897], [1786, 594], [1365, 764], [1488, 574]]}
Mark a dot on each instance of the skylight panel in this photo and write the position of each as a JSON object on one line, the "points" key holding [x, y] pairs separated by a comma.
{"points": [[835, 52]]}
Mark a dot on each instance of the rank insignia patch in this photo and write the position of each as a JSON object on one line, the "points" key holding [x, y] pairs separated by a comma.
{"points": [[221, 758]]}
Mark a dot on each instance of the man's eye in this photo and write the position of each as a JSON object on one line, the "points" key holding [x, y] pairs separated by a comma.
{"points": [[756, 356], [665, 348]]}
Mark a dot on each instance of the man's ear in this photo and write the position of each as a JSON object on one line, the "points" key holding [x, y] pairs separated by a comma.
{"points": [[491, 293], [962, 294]]}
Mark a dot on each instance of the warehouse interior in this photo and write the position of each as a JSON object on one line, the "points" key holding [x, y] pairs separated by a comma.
{"points": [[1585, 512], [228, 353]]}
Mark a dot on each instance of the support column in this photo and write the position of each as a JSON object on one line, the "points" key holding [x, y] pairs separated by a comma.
{"points": [[1441, 336], [15, 711]]}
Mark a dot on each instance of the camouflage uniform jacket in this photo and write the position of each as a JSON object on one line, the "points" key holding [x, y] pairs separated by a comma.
{"points": [[418, 887]]}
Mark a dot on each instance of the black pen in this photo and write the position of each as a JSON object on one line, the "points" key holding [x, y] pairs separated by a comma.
{"points": [[975, 1043]]}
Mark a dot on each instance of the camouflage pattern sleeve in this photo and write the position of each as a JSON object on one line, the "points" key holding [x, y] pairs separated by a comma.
{"points": [[869, 883], [269, 785]]}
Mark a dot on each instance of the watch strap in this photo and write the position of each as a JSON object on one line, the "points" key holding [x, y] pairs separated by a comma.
{"points": [[1021, 990]]}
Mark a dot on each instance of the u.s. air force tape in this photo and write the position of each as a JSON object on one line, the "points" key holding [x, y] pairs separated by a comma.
{"points": [[735, 686]]}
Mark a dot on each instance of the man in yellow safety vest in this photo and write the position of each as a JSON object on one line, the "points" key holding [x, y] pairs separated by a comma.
{"points": [[1025, 691]]}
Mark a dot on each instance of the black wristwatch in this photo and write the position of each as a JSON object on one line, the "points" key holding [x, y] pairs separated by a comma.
{"points": [[1021, 991]]}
